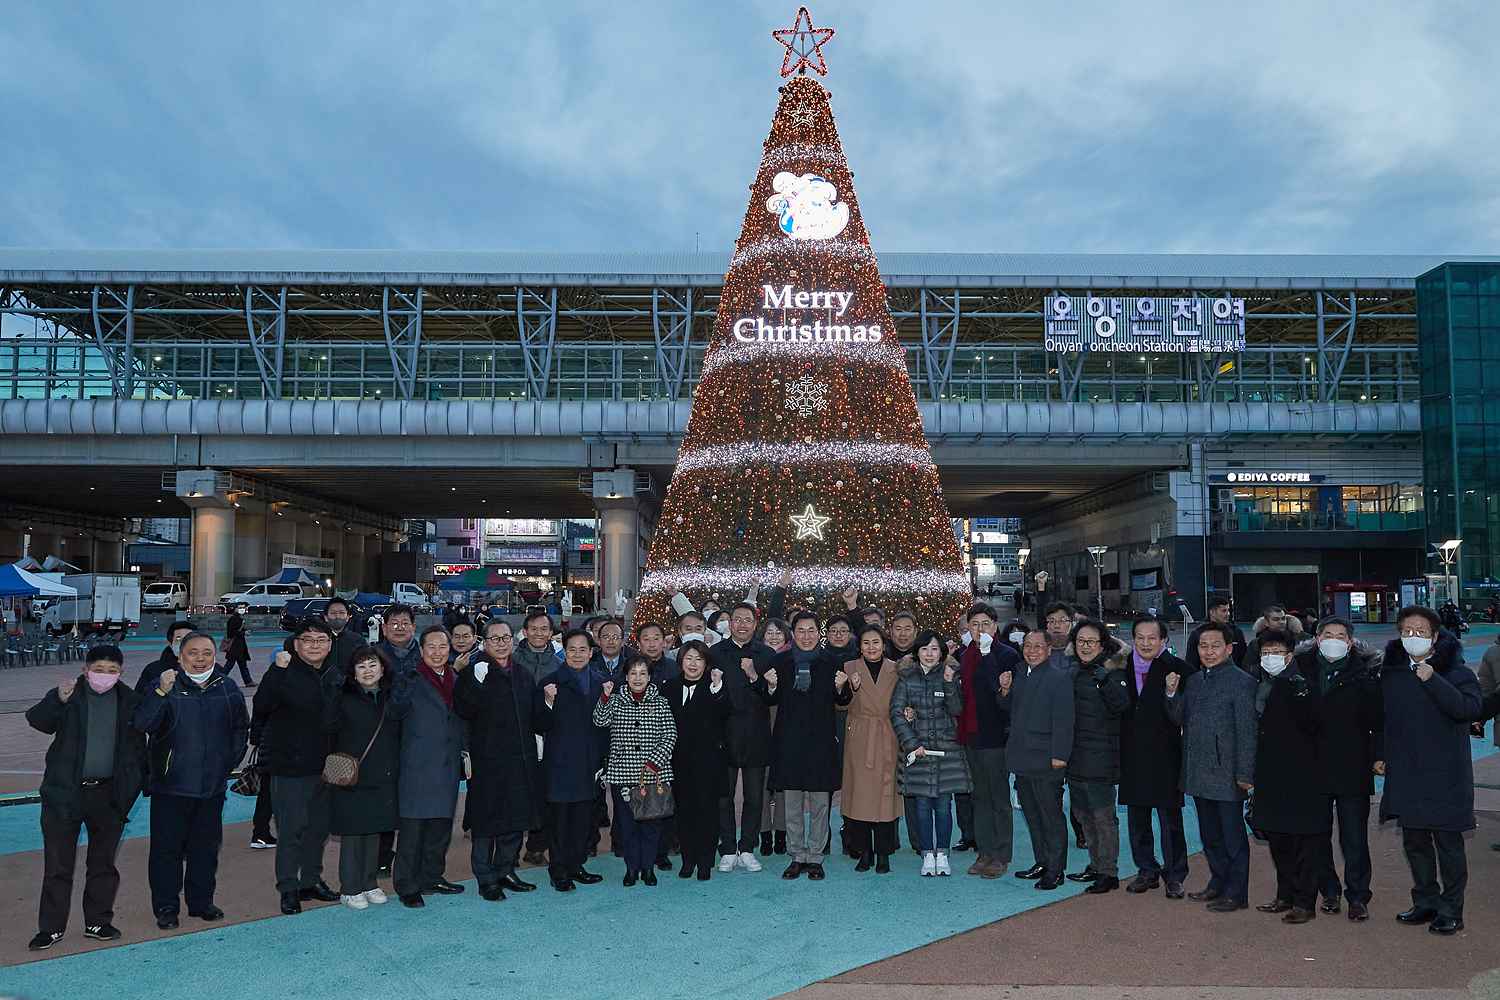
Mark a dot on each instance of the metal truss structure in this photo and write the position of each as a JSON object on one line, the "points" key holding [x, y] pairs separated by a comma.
{"points": [[291, 335]]}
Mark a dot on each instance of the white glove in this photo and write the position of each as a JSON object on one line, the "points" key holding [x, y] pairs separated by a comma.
{"points": [[681, 604], [968, 637], [481, 670], [985, 641]]}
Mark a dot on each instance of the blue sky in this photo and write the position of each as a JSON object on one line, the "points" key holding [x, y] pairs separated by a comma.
{"points": [[1010, 126]]}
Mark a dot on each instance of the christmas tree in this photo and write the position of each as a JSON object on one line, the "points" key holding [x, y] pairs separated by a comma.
{"points": [[804, 450]]}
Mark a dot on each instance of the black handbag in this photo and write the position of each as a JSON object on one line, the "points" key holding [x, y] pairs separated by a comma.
{"points": [[652, 800], [251, 775]]}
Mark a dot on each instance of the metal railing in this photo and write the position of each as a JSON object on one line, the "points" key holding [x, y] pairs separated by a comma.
{"points": [[1251, 521]]}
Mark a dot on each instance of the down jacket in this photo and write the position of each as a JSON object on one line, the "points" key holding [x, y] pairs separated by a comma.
{"points": [[1429, 767], [198, 735], [1101, 695], [937, 704]]}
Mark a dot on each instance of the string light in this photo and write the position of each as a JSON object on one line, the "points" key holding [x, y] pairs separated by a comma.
{"points": [[869, 579], [748, 453]]}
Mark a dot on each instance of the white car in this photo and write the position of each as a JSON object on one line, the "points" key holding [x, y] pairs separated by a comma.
{"points": [[263, 597], [165, 596]]}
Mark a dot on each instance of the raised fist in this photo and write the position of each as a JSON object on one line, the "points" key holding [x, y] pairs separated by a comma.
{"points": [[1006, 679], [1173, 679], [609, 688], [716, 676], [909, 714], [283, 659], [785, 581], [840, 679], [948, 673], [854, 681], [1424, 671], [65, 690], [851, 598], [770, 676], [166, 680], [748, 666], [549, 692]]}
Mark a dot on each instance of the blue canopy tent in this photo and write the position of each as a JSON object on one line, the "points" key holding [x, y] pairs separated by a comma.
{"points": [[17, 582], [292, 574]]}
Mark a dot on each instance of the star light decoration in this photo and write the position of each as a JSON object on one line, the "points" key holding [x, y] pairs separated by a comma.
{"points": [[807, 396], [805, 43], [810, 524]]}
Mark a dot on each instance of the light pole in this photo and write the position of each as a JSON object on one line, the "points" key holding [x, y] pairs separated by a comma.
{"points": [[1097, 552], [1021, 556], [1447, 552]]}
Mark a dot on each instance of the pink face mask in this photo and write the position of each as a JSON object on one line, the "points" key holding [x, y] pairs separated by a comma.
{"points": [[101, 682]]}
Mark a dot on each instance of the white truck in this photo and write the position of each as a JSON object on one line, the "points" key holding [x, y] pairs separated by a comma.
{"points": [[106, 602], [411, 595]]}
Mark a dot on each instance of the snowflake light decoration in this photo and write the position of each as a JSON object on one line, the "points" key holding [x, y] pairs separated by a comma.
{"points": [[807, 396]]}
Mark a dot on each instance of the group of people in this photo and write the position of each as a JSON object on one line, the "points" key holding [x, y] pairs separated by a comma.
{"points": [[728, 733]]}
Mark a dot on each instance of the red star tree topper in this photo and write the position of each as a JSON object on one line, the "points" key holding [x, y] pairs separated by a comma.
{"points": [[804, 450]]}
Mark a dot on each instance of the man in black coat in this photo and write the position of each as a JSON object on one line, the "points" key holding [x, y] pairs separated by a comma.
{"points": [[346, 638], [743, 658], [700, 760], [804, 745], [167, 660], [289, 712], [1350, 737], [1040, 696], [1220, 610], [1151, 762], [95, 769], [505, 711], [1431, 696], [1100, 697]]}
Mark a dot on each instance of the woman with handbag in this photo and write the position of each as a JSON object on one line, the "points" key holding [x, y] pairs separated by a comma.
{"points": [[364, 719], [642, 735]]}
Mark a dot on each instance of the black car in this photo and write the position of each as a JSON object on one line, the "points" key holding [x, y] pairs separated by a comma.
{"points": [[299, 610]]}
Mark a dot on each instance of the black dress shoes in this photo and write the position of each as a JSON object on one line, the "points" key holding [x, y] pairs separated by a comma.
{"points": [[686, 871], [629, 879], [585, 877], [814, 872], [1048, 882], [413, 901], [1174, 890], [493, 893], [320, 892], [882, 864], [1087, 875], [1331, 905], [1446, 926], [866, 862], [1359, 912], [291, 903], [705, 872], [209, 913], [1297, 915], [648, 876], [1275, 906], [1142, 884], [1034, 872], [1417, 915], [780, 842], [1226, 905], [166, 920], [793, 870], [663, 864], [515, 884], [563, 884], [445, 888], [1205, 895], [1103, 884]]}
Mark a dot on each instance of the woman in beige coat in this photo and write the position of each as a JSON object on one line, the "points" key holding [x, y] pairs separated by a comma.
{"points": [[869, 800]]}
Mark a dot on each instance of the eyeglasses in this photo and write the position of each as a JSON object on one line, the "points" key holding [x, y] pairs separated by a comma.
{"points": [[1086, 643], [1059, 621], [314, 640], [500, 638]]}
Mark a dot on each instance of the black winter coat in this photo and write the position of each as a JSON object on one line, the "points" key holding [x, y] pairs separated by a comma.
{"points": [[198, 735], [750, 716], [505, 714], [1351, 727], [350, 718], [67, 723], [700, 760], [153, 670], [1100, 698], [980, 676], [1150, 745], [236, 641], [1429, 768], [804, 745], [575, 748], [1289, 792], [289, 714]]}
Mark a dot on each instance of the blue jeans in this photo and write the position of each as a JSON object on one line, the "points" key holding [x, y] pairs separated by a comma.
{"points": [[934, 822]]}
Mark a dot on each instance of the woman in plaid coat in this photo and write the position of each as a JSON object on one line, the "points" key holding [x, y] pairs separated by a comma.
{"points": [[642, 735], [925, 708]]}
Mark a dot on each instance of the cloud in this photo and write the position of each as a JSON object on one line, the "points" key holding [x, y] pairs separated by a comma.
{"points": [[594, 126]]}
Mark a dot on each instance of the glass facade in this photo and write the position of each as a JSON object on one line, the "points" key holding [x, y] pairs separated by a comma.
{"points": [[1387, 507], [1458, 321]]}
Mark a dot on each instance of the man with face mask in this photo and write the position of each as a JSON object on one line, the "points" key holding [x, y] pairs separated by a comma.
{"points": [[1349, 746], [176, 632], [1291, 805], [345, 639], [743, 659], [95, 768], [1430, 697], [199, 729], [983, 729]]}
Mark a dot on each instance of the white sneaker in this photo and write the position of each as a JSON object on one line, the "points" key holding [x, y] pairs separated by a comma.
{"points": [[356, 901], [929, 864], [941, 864], [726, 863], [376, 895], [748, 862]]}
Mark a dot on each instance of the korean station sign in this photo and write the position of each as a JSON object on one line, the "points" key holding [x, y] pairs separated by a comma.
{"points": [[1144, 325]]}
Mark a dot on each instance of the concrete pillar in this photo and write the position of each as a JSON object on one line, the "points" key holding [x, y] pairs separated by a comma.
{"points": [[12, 543], [351, 561], [213, 553], [620, 531], [44, 544], [107, 554], [250, 541], [281, 538]]}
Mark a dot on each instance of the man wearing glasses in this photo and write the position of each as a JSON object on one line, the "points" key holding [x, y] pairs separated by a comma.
{"points": [[289, 715], [1057, 620]]}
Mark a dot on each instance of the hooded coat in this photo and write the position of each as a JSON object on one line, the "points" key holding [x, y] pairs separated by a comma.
{"points": [[1429, 767], [1100, 698]]}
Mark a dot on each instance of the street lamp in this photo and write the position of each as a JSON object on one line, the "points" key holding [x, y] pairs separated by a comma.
{"points": [[1097, 553], [1021, 556], [1447, 552]]}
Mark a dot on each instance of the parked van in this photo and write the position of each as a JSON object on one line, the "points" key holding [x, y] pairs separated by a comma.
{"points": [[165, 596], [263, 597]]}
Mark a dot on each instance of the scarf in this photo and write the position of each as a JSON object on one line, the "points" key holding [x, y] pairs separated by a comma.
{"points": [[638, 697], [803, 660], [1142, 668], [968, 719], [442, 683]]}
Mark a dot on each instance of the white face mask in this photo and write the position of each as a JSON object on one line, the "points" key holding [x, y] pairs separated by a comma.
{"points": [[201, 678], [1417, 646], [692, 637], [985, 641], [1273, 663], [1017, 637], [1333, 649]]}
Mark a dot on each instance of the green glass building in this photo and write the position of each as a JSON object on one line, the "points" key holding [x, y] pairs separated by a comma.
{"points": [[1458, 319]]}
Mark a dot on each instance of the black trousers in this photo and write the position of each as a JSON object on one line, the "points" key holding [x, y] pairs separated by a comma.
{"points": [[260, 827], [421, 853], [301, 806], [1173, 866], [244, 666], [385, 852], [1300, 860], [638, 837], [963, 806], [1042, 808], [186, 835], [570, 836], [1353, 814], [867, 836], [494, 858], [1226, 845], [1431, 853], [697, 823], [357, 862], [60, 856], [751, 808]]}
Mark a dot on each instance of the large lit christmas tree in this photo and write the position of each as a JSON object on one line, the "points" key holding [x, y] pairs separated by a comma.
{"points": [[805, 449]]}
